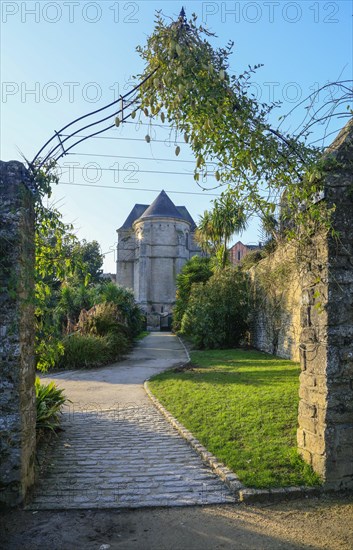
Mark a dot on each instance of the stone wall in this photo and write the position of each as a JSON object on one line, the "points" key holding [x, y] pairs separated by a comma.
{"points": [[325, 433], [276, 288], [307, 313], [17, 396]]}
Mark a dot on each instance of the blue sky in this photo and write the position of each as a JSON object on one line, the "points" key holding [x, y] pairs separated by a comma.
{"points": [[62, 59]]}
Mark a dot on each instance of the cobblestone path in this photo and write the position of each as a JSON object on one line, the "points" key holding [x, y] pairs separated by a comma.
{"points": [[125, 455]]}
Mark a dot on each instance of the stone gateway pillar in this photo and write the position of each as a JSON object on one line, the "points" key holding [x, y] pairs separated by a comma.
{"points": [[17, 372], [325, 434]]}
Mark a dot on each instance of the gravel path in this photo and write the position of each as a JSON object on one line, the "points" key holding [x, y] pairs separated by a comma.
{"points": [[117, 450]]}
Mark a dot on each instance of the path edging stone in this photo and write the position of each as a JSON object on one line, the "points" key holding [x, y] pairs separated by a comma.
{"points": [[231, 480]]}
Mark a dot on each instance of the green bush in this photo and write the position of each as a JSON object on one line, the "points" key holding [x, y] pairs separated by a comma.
{"points": [[49, 401], [115, 312], [124, 299], [218, 310], [252, 258], [118, 344], [102, 319], [196, 270], [91, 350]]}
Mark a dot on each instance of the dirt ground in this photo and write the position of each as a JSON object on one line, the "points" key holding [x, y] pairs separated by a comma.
{"points": [[316, 523]]}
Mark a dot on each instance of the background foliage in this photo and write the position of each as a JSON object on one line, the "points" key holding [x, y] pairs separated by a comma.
{"points": [[68, 282], [217, 312]]}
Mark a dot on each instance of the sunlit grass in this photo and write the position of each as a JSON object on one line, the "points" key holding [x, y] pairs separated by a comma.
{"points": [[242, 406]]}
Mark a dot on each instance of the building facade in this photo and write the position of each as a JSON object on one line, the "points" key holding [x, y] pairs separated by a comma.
{"points": [[239, 250], [154, 243]]}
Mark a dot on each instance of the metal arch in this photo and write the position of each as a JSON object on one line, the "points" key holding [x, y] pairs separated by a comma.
{"points": [[54, 151]]}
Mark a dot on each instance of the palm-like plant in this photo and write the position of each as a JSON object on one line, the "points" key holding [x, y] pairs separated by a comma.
{"points": [[49, 402], [206, 234], [216, 227]]}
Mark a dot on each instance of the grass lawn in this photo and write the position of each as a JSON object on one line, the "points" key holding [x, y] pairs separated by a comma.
{"points": [[242, 406]]}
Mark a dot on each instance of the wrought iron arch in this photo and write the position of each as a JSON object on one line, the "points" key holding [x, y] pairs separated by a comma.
{"points": [[61, 143]]}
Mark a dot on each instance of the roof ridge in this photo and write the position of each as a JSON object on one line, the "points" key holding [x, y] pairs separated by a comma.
{"points": [[162, 206]]}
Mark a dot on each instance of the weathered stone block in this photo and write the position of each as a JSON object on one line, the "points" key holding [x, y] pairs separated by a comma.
{"points": [[17, 438], [332, 359], [318, 463], [315, 443], [308, 424], [301, 437], [307, 410], [308, 379], [312, 396]]}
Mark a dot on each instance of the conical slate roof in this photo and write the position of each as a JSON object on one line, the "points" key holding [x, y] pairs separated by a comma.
{"points": [[162, 207], [186, 216], [135, 213]]}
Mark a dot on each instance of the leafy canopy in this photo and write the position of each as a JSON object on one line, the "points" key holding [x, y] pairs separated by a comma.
{"points": [[190, 87], [216, 228]]}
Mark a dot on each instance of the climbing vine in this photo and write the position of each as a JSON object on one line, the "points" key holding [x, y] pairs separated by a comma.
{"points": [[194, 92]]}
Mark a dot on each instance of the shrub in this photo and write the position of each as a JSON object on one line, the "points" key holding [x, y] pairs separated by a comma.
{"points": [[252, 258], [196, 270], [102, 319], [91, 350], [49, 402], [218, 310], [124, 299], [118, 344]]}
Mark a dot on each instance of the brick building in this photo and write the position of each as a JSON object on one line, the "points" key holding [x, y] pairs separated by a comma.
{"points": [[239, 250]]}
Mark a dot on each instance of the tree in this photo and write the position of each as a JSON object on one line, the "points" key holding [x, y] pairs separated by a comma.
{"points": [[217, 227], [196, 270], [53, 265], [186, 82], [91, 260], [217, 311]]}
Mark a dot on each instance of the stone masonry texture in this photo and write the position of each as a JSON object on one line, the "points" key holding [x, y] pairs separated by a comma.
{"points": [[119, 450], [17, 398], [276, 288], [325, 434], [307, 315], [124, 458]]}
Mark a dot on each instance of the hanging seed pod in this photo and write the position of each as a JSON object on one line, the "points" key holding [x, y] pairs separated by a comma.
{"points": [[177, 150], [199, 161], [162, 116], [186, 138], [145, 111], [147, 138], [133, 114], [117, 121], [217, 175]]}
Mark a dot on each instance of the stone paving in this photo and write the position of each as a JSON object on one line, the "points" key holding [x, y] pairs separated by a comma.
{"points": [[126, 455]]}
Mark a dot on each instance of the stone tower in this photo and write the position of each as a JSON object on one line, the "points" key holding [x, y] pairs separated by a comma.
{"points": [[153, 245]]}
